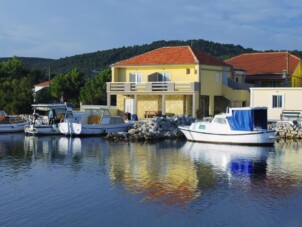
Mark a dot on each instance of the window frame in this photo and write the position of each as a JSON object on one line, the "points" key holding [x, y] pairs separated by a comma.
{"points": [[280, 98], [137, 77]]}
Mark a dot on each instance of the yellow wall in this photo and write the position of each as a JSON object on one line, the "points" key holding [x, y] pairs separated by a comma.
{"points": [[177, 72], [209, 84], [236, 96], [175, 104], [297, 76]]}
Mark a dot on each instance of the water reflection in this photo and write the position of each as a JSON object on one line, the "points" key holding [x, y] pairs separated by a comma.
{"points": [[175, 173], [249, 161], [285, 168], [157, 171]]}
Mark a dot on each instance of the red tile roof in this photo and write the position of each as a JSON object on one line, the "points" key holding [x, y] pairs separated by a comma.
{"points": [[265, 63], [177, 55], [43, 84]]}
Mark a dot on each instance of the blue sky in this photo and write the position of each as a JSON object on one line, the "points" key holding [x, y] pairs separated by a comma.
{"points": [[60, 28]]}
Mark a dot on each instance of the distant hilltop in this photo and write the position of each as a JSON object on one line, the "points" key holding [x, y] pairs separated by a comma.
{"points": [[92, 63]]}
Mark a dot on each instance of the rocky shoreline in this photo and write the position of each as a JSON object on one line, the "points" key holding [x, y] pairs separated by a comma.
{"points": [[156, 129], [290, 130], [162, 128]]}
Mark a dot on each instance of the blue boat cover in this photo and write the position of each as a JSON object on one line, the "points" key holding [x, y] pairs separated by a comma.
{"points": [[248, 119]]}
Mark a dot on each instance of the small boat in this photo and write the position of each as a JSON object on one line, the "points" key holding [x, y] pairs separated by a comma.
{"points": [[46, 118], [242, 126], [11, 123], [95, 121]]}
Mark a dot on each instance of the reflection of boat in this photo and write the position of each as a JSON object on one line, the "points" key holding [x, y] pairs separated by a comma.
{"points": [[247, 126], [233, 159], [95, 121], [60, 147], [46, 118], [11, 123], [52, 144]]}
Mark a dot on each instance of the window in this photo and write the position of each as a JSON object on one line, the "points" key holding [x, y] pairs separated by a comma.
{"points": [[217, 77], [163, 76], [135, 77], [277, 101], [188, 71], [220, 120]]}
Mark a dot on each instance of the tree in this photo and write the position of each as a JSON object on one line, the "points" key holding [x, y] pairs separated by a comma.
{"points": [[16, 96], [13, 68], [16, 86], [94, 91], [67, 86]]}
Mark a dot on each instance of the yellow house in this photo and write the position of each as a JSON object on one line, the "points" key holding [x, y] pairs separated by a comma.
{"points": [[176, 80]]}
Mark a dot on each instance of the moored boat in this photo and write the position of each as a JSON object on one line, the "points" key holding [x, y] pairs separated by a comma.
{"points": [[95, 121], [46, 118], [242, 126], [11, 123]]}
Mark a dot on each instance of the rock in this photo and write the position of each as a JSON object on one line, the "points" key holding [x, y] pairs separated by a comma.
{"points": [[156, 129]]}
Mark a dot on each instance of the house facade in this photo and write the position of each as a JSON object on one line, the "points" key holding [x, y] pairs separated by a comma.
{"points": [[269, 69], [176, 80], [278, 101]]}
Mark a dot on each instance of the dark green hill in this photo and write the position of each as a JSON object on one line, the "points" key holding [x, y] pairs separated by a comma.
{"points": [[92, 63]]}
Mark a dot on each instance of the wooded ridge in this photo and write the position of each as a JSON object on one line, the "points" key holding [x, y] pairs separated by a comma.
{"points": [[90, 64]]}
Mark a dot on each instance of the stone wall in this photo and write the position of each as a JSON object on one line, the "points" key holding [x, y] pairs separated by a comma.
{"points": [[175, 104], [287, 130]]}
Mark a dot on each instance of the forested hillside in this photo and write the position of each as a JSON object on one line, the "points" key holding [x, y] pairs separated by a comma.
{"points": [[90, 64]]}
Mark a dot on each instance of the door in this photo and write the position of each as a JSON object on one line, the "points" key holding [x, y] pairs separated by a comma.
{"points": [[129, 105]]}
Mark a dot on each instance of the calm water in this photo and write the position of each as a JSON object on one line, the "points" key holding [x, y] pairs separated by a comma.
{"points": [[60, 181]]}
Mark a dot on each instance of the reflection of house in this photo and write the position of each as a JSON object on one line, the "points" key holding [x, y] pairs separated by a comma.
{"points": [[179, 80], [277, 100], [141, 170], [270, 69]]}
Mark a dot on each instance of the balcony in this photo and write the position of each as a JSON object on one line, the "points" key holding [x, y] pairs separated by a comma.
{"points": [[129, 87], [238, 86]]}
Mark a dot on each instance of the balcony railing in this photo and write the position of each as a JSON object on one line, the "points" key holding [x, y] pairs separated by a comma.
{"points": [[237, 86], [152, 87]]}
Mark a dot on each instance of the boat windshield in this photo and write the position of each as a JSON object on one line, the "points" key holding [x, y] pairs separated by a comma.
{"points": [[219, 120], [103, 112]]}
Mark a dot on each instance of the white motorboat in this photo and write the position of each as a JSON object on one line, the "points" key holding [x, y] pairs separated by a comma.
{"points": [[46, 118], [95, 121], [11, 123], [243, 126]]}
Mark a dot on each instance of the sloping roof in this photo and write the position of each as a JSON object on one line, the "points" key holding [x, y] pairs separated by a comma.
{"points": [[177, 55], [265, 63], [43, 84]]}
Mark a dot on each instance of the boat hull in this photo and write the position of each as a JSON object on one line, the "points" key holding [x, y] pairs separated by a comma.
{"points": [[265, 137], [77, 129], [41, 130], [13, 127]]}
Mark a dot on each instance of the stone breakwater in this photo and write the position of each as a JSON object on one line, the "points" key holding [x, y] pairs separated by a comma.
{"points": [[155, 129], [287, 130], [167, 128]]}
